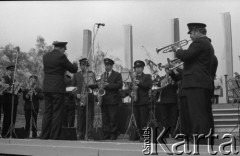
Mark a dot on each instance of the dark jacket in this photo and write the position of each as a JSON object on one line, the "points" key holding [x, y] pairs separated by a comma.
{"points": [[169, 93], [35, 98], [55, 65], [77, 81], [143, 89], [9, 81], [112, 95], [197, 64]]}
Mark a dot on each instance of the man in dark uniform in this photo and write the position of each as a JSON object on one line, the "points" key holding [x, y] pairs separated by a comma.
{"points": [[7, 105], [31, 95], [111, 99], [195, 95], [69, 105], [82, 80], [55, 65], [141, 104], [167, 107]]}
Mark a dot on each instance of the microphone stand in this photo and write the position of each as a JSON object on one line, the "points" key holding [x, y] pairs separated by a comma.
{"points": [[11, 128], [92, 48]]}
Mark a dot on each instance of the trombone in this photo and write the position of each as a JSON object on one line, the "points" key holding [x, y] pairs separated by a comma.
{"points": [[168, 48]]}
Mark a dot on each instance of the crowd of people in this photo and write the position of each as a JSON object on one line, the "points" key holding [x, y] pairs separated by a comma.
{"points": [[185, 94]]}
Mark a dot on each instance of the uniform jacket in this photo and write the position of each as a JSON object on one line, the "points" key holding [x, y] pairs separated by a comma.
{"points": [[112, 95], [169, 93], [9, 81], [143, 89], [55, 65], [35, 98], [77, 81], [197, 64]]}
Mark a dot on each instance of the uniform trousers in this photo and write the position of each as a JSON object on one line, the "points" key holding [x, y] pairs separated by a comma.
{"points": [[69, 115], [81, 123], [110, 121], [31, 114], [167, 115], [196, 112], [141, 113], [8, 117], [53, 116]]}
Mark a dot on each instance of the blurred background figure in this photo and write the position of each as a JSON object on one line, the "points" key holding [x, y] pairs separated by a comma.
{"points": [[217, 90]]}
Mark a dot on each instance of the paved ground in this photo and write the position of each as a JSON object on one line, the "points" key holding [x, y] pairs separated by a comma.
{"points": [[120, 147]]}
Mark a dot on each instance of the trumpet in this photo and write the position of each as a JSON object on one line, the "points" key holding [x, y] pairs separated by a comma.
{"points": [[172, 64], [168, 48]]}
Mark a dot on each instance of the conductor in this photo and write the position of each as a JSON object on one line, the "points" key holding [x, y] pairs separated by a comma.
{"points": [[55, 65]]}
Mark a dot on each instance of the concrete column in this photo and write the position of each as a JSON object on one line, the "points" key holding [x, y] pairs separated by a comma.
{"points": [[87, 46], [128, 47], [228, 44], [176, 35]]}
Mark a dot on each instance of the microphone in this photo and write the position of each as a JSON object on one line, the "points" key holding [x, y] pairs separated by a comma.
{"points": [[100, 24]]}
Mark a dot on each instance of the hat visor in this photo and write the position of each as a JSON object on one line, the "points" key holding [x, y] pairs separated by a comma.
{"points": [[108, 64], [138, 66]]}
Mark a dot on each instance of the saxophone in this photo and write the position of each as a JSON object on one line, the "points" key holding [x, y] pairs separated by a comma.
{"points": [[134, 86], [83, 95], [101, 91]]}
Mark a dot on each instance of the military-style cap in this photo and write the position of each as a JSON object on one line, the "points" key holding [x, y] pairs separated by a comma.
{"points": [[192, 26], [84, 61], [139, 63], [60, 44], [10, 67], [108, 61]]}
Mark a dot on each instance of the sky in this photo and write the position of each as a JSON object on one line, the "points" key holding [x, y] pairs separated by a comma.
{"points": [[152, 22]]}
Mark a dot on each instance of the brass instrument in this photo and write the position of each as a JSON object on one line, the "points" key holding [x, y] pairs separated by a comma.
{"points": [[134, 79], [83, 95], [100, 92], [3, 86], [172, 64], [168, 48], [31, 88]]}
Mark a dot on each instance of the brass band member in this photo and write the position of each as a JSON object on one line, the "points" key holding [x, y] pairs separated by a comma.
{"points": [[167, 107], [7, 105], [31, 95], [195, 95], [111, 100], [141, 105], [80, 80], [69, 104], [55, 65]]}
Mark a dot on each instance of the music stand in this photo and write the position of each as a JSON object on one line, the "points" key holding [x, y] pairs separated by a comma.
{"points": [[132, 121], [234, 95]]}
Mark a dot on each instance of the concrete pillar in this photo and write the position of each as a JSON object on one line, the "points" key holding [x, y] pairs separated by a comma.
{"points": [[176, 35], [128, 47], [87, 46], [228, 44]]}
